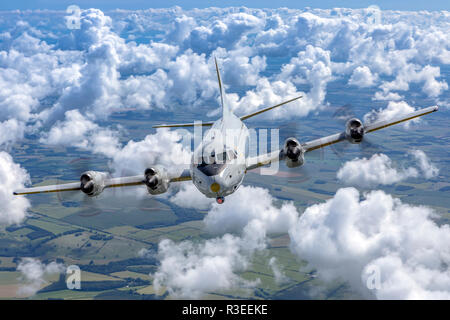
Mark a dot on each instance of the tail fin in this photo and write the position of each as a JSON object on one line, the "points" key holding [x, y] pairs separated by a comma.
{"points": [[225, 110]]}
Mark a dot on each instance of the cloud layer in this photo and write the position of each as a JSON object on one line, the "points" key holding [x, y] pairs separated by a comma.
{"points": [[348, 238], [239, 228], [48, 70]]}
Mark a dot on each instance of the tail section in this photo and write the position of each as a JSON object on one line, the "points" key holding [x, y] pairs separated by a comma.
{"points": [[225, 110]]}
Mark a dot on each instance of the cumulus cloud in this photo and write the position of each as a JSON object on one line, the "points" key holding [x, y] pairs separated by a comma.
{"points": [[47, 71], [13, 209], [381, 170], [78, 131], [392, 111], [362, 77], [428, 169], [280, 277], [427, 75], [170, 149], [349, 238], [11, 131], [165, 147], [35, 274], [190, 269], [378, 170], [189, 197], [247, 204]]}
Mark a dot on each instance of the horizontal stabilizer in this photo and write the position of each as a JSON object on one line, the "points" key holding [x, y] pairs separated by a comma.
{"points": [[181, 125], [267, 109]]}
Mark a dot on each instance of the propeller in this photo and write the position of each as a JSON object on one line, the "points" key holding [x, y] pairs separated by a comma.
{"points": [[151, 179], [366, 148], [298, 174], [88, 206]]}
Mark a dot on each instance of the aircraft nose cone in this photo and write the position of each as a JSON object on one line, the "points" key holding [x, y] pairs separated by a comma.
{"points": [[215, 187]]}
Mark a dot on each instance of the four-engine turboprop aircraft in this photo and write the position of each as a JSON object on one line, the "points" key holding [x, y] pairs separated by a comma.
{"points": [[221, 161]]}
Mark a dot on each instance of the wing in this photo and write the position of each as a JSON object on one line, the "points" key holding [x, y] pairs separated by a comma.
{"points": [[255, 162], [262, 160], [109, 183], [52, 188], [338, 137]]}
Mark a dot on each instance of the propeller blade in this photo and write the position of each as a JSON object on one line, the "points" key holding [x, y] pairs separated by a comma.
{"points": [[343, 113]]}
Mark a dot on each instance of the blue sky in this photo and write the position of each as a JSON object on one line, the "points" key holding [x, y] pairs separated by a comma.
{"points": [[142, 4]]}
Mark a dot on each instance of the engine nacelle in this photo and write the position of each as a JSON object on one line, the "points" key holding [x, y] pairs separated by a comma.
{"points": [[92, 183], [294, 154], [354, 130], [156, 180]]}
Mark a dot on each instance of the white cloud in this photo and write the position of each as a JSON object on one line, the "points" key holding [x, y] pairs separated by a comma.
{"points": [[427, 75], [280, 277], [11, 131], [35, 274], [96, 71], [386, 95], [428, 169], [165, 147], [146, 253], [392, 111], [362, 77], [246, 204], [189, 197], [13, 209], [192, 268], [78, 131], [345, 237], [378, 170], [189, 270], [170, 149]]}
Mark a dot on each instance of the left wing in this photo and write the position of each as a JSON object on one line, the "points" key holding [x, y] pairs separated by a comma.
{"points": [[255, 162], [109, 183], [338, 137]]}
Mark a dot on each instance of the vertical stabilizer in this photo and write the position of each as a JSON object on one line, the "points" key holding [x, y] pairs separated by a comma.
{"points": [[225, 111]]}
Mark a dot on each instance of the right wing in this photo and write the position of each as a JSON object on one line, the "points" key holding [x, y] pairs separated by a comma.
{"points": [[109, 183]]}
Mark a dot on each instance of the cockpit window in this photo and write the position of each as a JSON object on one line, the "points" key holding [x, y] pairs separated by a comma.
{"points": [[214, 164], [211, 169]]}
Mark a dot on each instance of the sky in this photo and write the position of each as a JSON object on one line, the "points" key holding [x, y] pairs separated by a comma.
{"points": [[412, 5]]}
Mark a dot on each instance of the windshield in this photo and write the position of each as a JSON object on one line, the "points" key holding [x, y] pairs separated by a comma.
{"points": [[214, 164]]}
